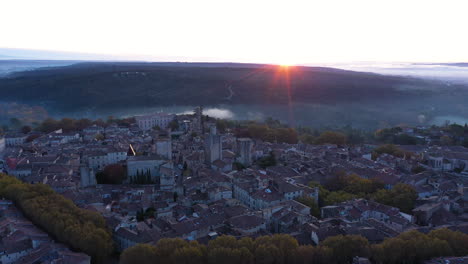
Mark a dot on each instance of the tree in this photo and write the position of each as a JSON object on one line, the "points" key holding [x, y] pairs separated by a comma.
{"points": [[258, 131], [404, 139], [446, 141], [267, 161], [26, 129], [167, 246], [193, 254], [310, 202], [273, 123], [238, 166], [112, 174], [330, 137], [357, 185], [344, 248], [221, 125], [387, 135], [140, 253], [67, 124], [310, 254], [323, 192], [417, 169], [48, 125], [402, 196], [456, 240], [174, 125], [389, 149], [337, 181], [409, 247], [286, 135], [307, 139], [266, 254], [99, 137], [32, 137], [338, 197], [84, 230], [82, 123], [456, 129]]}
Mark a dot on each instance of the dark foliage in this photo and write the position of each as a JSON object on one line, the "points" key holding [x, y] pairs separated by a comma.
{"points": [[81, 229]]}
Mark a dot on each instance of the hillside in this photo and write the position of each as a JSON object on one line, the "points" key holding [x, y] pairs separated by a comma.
{"points": [[312, 96], [109, 85]]}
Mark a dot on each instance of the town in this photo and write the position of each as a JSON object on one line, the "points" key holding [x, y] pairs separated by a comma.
{"points": [[188, 176]]}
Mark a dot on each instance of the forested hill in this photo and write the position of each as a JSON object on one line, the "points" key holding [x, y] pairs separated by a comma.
{"points": [[119, 84]]}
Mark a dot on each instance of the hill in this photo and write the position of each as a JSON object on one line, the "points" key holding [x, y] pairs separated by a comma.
{"points": [[313, 96], [109, 85]]}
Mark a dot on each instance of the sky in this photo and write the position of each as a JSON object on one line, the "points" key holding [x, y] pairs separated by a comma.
{"points": [[281, 32]]}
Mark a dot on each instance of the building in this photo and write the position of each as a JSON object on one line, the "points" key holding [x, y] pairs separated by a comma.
{"points": [[147, 122], [141, 165], [16, 139], [244, 151], [164, 147], [197, 124], [87, 176], [99, 158], [213, 146], [2, 145], [167, 178]]}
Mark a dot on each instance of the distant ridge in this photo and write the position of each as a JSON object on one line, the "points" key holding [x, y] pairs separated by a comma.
{"points": [[132, 84]]}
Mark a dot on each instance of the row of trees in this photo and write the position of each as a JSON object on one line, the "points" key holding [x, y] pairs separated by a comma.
{"points": [[327, 137], [81, 229], [394, 135], [410, 247], [290, 135], [270, 134], [391, 150], [142, 177]]}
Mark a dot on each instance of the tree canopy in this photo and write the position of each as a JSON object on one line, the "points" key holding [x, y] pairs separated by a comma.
{"points": [[112, 174], [411, 247], [81, 229], [342, 187], [331, 137]]}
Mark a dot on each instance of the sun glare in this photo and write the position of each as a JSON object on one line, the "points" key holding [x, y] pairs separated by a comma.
{"points": [[285, 65]]}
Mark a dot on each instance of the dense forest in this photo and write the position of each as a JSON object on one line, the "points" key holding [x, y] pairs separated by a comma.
{"points": [[80, 229], [411, 247]]}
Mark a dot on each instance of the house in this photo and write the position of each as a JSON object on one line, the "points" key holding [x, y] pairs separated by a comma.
{"points": [[388, 220], [219, 193], [15, 139], [221, 165], [125, 237], [12, 249], [98, 158], [147, 122], [247, 224]]}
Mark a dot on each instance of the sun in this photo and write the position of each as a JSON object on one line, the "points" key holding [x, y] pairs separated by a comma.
{"points": [[285, 65]]}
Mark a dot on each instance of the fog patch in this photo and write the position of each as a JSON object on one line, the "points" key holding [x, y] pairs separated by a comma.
{"points": [[219, 113]]}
